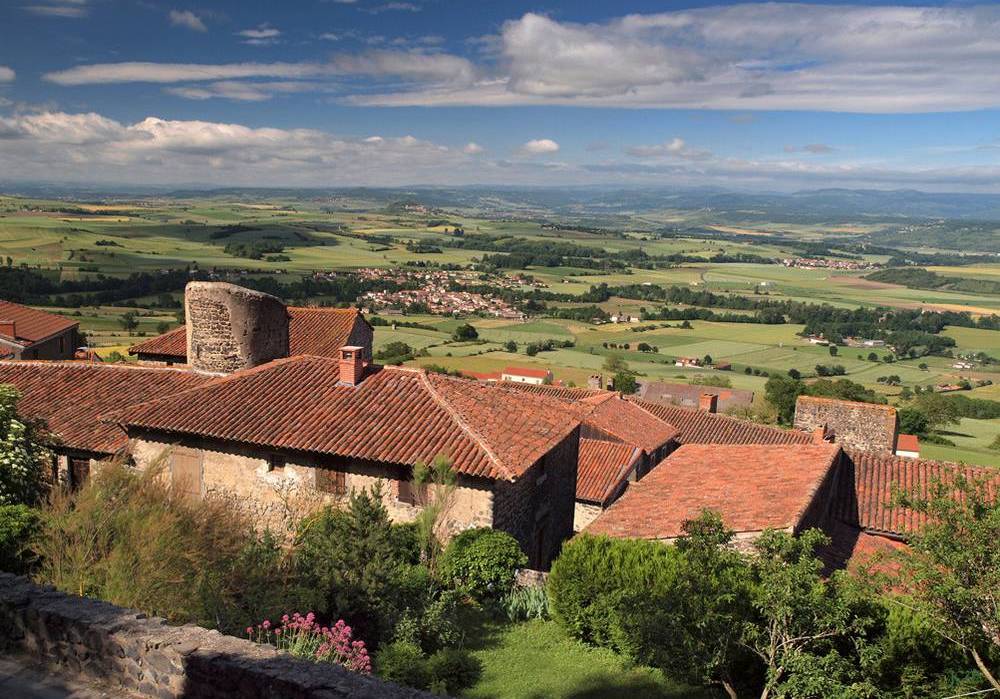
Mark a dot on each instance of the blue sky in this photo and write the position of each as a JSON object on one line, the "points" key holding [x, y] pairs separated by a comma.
{"points": [[383, 92]]}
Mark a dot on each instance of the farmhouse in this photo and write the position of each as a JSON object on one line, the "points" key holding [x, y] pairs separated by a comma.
{"points": [[691, 396], [27, 333], [526, 375]]}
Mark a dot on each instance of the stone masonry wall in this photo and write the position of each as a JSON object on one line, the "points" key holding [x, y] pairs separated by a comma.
{"points": [[231, 328], [863, 426], [146, 656]]}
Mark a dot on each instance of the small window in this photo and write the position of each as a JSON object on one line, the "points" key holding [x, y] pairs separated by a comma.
{"points": [[275, 462], [331, 481], [410, 492], [79, 472]]}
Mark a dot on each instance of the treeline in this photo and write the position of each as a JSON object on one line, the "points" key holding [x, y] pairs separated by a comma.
{"points": [[254, 249], [919, 278], [25, 285]]}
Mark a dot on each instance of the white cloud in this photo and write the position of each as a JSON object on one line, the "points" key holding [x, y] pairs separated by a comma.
{"points": [[674, 148], [539, 146], [408, 65], [812, 148], [7, 74], [72, 9], [241, 91], [262, 35], [879, 59], [187, 19], [472, 148], [104, 73]]}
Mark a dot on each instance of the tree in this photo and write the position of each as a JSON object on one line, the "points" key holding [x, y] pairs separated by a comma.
{"points": [[465, 332], [510, 346], [800, 614], [614, 363], [436, 486], [795, 373], [625, 382], [833, 350], [952, 567], [707, 360], [939, 410], [913, 421], [782, 392], [22, 455], [128, 321]]}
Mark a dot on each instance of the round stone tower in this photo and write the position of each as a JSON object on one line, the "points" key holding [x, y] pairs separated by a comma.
{"points": [[230, 327]]}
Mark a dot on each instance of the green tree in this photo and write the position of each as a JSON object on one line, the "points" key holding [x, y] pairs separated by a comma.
{"points": [[464, 333], [614, 363], [128, 321], [510, 346], [22, 455], [952, 567], [939, 410], [625, 382], [913, 421], [436, 487], [782, 392]]}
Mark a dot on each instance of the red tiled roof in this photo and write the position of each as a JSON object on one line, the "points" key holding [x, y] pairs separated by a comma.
{"points": [[525, 371], [396, 415], [32, 325], [601, 467], [623, 419], [753, 487], [317, 331], [907, 442], [701, 427], [71, 396], [562, 392], [869, 479]]}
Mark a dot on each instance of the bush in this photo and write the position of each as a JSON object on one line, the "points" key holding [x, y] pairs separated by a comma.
{"points": [[404, 663], [482, 562], [593, 581], [452, 670], [18, 524], [432, 622], [21, 454], [524, 603], [129, 539]]}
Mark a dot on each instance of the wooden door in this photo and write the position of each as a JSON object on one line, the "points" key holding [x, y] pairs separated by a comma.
{"points": [[186, 471]]}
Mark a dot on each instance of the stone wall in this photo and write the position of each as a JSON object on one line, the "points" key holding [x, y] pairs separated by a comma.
{"points": [[231, 328], [863, 426], [146, 656], [362, 335], [276, 495], [584, 513]]}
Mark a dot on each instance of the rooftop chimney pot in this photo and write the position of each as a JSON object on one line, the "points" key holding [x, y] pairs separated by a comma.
{"points": [[708, 402], [352, 365]]}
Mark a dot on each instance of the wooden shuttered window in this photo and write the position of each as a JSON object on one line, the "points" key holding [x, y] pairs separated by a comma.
{"points": [[330, 481], [186, 471]]}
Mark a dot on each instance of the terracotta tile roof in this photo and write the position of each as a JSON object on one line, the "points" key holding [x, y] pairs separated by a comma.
{"points": [[907, 442], [689, 395], [170, 344], [628, 422], [71, 396], [561, 392], [701, 427], [857, 550], [601, 467], [868, 481], [316, 331], [32, 325], [753, 487], [396, 415]]}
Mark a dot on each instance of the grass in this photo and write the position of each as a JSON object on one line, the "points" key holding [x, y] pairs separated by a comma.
{"points": [[537, 659]]}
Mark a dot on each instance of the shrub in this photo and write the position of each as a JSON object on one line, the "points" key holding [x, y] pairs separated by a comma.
{"points": [[18, 524], [524, 603], [432, 621], [21, 454], [594, 579], [452, 670], [404, 663], [482, 562], [303, 637], [127, 538]]}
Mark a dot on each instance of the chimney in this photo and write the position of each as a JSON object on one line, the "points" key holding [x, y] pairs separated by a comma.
{"points": [[352, 365], [7, 328], [595, 381], [708, 402], [820, 435]]}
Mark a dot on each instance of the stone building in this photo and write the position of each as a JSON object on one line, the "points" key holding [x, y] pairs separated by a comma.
{"points": [[863, 426], [317, 331], [27, 333]]}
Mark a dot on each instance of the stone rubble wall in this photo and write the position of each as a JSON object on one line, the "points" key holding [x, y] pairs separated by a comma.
{"points": [[146, 656], [863, 426]]}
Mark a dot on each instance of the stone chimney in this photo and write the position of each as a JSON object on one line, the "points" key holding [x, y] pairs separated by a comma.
{"points": [[230, 327], [821, 435], [595, 381], [352, 365], [708, 402], [7, 328]]}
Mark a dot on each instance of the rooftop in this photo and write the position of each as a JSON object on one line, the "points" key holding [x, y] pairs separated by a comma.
{"points": [[753, 488], [701, 427], [32, 325], [602, 466], [527, 371], [71, 396], [396, 415], [317, 331]]}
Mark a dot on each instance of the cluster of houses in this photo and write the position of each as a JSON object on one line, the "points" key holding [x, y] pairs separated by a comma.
{"points": [[255, 400], [822, 263], [439, 293]]}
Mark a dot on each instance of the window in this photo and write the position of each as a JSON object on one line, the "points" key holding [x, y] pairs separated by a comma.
{"points": [[79, 472], [186, 472], [275, 462], [410, 492], [331, 481]]}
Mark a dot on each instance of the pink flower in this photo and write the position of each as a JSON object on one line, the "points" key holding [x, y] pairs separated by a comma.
{"points": [[266, 624]]}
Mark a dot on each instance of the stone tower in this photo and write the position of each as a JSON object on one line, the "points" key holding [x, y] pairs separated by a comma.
{"points": [[230, 327]]}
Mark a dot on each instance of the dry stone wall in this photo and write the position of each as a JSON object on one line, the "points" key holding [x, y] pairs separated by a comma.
{"points": [[150, 658], [862, 426]]}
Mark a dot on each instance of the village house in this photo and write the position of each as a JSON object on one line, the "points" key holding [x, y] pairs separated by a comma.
{"points": [[526, 375], [27, 333], [691, 396]]}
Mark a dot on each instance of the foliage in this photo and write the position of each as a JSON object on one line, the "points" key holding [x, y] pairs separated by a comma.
{"points": [[953, 566], [128, 538], [782, 392], [432, 622], [913, 421], [436, 484], [938, 409], [464, 333], [614, 363], [452, 669], [625, 382], [395, 352], [445, 671], [482, 561], [304, 637], [21, 454], [524, 603], [18, 525]]}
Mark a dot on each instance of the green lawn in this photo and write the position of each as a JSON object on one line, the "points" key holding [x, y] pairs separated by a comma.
{"points": [[536, 659]]}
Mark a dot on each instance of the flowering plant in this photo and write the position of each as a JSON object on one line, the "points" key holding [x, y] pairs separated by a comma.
{"points": [[303, 637]]}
